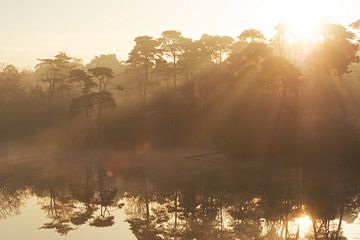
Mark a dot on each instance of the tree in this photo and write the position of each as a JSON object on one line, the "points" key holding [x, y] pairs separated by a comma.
{"points": [[89, 99], [278, 73], [84, 79], [190, 63], [248, 56], [284, 79], [172, 45], [103, 98], [251, 36], [142, 59], [355, 25], [216, 47], [332, 31], [222, 47], [338, 50], [109, 61], [86, 101], [280, 39], [10, 86], [54, 73], [103, 75]]}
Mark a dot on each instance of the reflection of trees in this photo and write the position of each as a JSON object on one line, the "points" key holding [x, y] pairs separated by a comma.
{"points": [[59, 207], [211, 203], [83, 214], [10, 201], [77, 199], [332, 198], [247, 209], [146, 220], [205, 219], [282, 201], [105, 198], [245, 215], [85, 196]]}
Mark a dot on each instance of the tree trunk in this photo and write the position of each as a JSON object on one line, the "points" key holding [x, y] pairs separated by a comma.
{"points": [[88, 123], [174, 75], [221, 214], [147, 204], [298, 233], [286, 231], [50, 100], [101, 182], [99, 121], [340, 222], [314, 228], [145, 89], [176, 212]]}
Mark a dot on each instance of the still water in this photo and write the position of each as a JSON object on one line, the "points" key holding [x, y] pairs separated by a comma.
{"points": [[110, 195]]}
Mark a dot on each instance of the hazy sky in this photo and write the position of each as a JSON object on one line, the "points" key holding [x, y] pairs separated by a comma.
{"points": [[83, 28]]}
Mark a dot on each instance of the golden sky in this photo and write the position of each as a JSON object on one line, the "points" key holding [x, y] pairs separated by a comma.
{"points": [[33, 29]]}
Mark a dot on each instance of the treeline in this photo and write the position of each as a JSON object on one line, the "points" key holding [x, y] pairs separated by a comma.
{"points": [[252, 97]]}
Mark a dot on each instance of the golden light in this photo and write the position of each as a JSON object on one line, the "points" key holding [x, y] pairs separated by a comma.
{"points": [[304, 223], [304, 30], [302, 18]]}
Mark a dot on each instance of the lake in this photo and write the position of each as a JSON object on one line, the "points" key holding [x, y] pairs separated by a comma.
{"points": [[173, 195]]}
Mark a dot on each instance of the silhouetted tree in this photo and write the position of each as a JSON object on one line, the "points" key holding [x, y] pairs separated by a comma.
{"points": [[142, 59], [86, 102], [172, 46], [215, 48], [54, 73], [103, 98], [251, 36], [337, 52]]}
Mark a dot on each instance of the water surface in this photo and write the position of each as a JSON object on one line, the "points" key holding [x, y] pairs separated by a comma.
{"points": [[112, 195]]}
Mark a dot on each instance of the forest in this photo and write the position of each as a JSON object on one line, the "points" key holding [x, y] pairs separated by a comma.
{"points": [[252, 98]]}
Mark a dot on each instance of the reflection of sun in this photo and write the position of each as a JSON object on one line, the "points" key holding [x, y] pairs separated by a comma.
{"points": [[304, 223]]}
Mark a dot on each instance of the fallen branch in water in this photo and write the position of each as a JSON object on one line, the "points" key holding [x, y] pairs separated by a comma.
{"points": [[203, 160], [198, 157], [203, 155]]}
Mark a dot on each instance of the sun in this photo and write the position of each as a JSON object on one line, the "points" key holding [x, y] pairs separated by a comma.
{"points": [[302, 18], [304, 29]]}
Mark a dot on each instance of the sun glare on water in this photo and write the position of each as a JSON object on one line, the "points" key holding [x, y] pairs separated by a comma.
{"points": [[305, 224]]}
